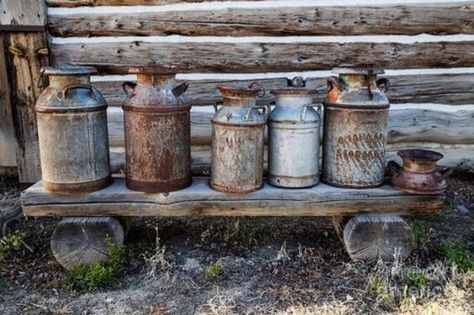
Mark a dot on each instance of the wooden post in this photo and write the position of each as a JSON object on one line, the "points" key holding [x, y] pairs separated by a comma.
{"points": [[374, 236], [24, 35]]}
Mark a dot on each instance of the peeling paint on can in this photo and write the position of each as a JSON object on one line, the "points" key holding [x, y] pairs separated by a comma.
{"points": [[355, 129], [238, 130], [72, 132], [157, 133]]}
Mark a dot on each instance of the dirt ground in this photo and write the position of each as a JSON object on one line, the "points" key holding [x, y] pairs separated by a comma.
{"points": [[265, 266]]}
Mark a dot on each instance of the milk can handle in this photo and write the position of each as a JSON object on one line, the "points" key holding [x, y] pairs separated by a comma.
{"points": [[264, 111], [62, 93], [335, 82], [383, 82], [305, 107], [128, 87], [260, 94], [445, 173]]}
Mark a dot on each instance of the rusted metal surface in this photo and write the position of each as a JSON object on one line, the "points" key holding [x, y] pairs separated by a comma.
{"points": [[72, 132], [237, 141], [293, 139], [157, 132], [419, 174], [355, 129]]}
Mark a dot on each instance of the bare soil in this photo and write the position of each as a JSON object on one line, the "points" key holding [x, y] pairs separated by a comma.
{"points": [[269, 265]]}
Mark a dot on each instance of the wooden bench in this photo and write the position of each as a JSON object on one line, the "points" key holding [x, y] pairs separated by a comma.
{"points": [[432, 106]]}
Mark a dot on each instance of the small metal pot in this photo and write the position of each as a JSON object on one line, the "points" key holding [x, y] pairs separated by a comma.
{"points": [[419, 174]]}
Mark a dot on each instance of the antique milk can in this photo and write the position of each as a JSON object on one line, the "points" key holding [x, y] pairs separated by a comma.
{"points": [[293, 139], [237, 141], [72, 132], [355, 129], [157, 132]]}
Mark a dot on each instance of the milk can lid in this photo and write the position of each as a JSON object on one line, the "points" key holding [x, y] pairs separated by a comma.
{"points": [[68, 70]]}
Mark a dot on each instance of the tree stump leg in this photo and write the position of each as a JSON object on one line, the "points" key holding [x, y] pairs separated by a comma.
{"points": [[374, 236], [85, 240]]}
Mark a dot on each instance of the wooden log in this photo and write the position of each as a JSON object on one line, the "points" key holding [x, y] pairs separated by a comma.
{"points": [[200, 200], [251, 57], [83, 241], [28, 52], [7, 131], [81, 3], [407, 123], [453, 89], [23, 15], [410, 19], [375, 236]]}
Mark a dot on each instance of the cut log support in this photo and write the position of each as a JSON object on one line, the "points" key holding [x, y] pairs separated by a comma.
{"points": [[83, 241], [374, 236]]}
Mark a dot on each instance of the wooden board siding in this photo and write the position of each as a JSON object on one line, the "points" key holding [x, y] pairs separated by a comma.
{"points": [[200, 200], [80, 3], [23, 15], [261, 57], [439, 19], [454, 89]]}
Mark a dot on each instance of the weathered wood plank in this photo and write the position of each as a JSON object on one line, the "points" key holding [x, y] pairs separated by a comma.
{"points": [[23, 15], [407, 124], [200, 200], [81, 3], [7, 130], [251, 57], [27, 54], [452, 89], [411, 19]]}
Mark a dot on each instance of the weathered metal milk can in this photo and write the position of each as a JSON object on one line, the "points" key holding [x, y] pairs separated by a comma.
{"points": [[293, 139], [237, 141], [355, 129], [157, 132], [72, 132]]}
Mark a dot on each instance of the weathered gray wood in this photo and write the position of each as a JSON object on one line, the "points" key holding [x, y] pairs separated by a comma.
{"points": [[83, 241], [7, 130], [200, 200], [28, 52], [374, 236], [261, 57], [410, 19], [80, 3], [23, 15]]}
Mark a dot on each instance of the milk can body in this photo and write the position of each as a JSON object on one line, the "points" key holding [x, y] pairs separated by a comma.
{"points": [[157, 132], [72, 132], [293, 139], [237, 142], [355, 129]]}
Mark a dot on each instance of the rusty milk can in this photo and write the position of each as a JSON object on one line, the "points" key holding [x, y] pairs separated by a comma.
{"points": [[238, 130], [157, 132], [293, 139], [355, 129], [72, 132]]}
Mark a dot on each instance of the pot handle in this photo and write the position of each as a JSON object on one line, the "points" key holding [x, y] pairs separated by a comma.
{"points": [[264, 111], [128, 87], [305, 107], [383, 82], [393, 168], [180, 89], [62, 94], [335, 82], [445, 174]]}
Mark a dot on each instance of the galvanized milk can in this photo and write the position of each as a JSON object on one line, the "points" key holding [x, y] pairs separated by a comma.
{"points": [[293, 139], [355, 129], [157, 132], [72, 132], [237, 141]]}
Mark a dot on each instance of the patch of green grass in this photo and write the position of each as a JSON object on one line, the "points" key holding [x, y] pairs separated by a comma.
{"points": [[420, 232], [99, 274], [455, 252], [213, 271], [233, 230], [11, 243], [414, 279]]}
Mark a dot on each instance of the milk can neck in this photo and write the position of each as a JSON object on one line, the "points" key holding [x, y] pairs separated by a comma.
{"points": [[357, 80], [239, 102], [61, 81], [154, 80], [293, 101]]}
